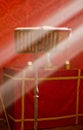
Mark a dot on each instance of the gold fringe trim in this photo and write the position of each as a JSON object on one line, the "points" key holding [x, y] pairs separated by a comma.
{"points": [[42, 119]]}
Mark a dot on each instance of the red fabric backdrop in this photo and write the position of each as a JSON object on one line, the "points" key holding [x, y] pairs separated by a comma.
{"points": [[23, 13], [30, 13]]}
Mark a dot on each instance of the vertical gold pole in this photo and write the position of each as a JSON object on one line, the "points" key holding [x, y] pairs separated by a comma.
{"points": [[4, 111], [77, 100], [22, 113], [36, 90], [35, 107]]}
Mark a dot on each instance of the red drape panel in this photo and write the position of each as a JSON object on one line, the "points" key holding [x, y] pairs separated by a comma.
{"points": [[57, 102]]}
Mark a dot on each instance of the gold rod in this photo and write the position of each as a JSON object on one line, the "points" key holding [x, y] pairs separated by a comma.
{"points": [[80, 114], [22, 113], [44, 119], [50, 78], [77, 97], [36, 90]]}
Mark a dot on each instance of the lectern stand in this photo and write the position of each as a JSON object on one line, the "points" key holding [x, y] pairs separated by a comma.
{"points": [[38, 40]]}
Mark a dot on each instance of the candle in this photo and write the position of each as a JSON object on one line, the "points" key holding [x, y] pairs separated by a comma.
{"points": [[67, 63], [29, 65]]}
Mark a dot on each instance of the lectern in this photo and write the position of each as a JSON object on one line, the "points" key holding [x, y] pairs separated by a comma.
{"points": [[38, 40]]}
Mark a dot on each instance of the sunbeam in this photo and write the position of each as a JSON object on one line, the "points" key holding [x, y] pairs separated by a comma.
{"points": [[63, 14]]}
